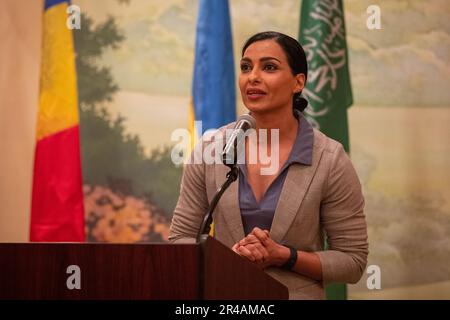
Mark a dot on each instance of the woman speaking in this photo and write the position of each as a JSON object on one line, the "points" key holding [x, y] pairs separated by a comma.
{"points": [[279, 220]]}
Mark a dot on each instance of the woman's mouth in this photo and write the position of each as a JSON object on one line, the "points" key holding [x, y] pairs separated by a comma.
{"points": [[254, 94]]}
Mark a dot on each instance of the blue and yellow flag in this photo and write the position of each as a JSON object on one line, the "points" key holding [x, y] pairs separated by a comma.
{"points": [[213, 89]]}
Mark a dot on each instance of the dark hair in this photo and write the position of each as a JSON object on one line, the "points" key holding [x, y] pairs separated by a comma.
{"points": [[295, 55]]}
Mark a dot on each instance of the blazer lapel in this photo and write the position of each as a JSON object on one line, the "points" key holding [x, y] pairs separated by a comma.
{"points": [[294, 189], [229, 203]]}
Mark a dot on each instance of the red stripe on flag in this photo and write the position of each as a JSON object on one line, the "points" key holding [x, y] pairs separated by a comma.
{"points": [[57, 212]]}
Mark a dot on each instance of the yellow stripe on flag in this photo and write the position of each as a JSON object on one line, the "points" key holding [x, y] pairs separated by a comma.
{"points": [[58, 103], [192, 128]]}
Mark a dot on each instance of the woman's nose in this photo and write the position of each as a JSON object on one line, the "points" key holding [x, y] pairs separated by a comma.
{"points": [[254, 75]]}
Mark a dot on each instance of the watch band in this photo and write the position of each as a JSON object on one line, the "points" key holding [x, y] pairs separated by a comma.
{"points": [[290, 263]]}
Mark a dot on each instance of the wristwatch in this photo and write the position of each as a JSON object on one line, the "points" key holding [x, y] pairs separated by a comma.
{"points": [[290, 263]]}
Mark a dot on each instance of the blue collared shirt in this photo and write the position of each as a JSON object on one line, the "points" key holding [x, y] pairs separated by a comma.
{"points": [[261, 214]]}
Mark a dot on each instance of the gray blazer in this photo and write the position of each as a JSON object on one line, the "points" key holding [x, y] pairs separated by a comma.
{"points": [[323, 197]]}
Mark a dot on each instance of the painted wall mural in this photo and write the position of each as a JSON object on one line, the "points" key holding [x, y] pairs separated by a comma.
{"points": [[135, 62]]}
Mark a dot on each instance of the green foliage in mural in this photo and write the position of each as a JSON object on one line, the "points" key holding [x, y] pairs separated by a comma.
{"points": [[95, 84], [110, 157]]}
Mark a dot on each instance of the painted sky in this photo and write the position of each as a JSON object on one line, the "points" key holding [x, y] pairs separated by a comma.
{"points": [[403, 64]]}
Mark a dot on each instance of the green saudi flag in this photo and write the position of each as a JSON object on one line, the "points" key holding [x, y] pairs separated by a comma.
{"points": [[328, 89]]}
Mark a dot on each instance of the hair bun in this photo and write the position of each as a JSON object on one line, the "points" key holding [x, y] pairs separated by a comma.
{"points": [[299, 102]]}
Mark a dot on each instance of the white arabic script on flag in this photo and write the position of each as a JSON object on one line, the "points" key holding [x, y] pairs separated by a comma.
{"points": [[325, 52]]}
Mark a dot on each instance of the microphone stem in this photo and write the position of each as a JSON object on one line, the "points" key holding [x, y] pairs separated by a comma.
{"points": [[205, 228]]}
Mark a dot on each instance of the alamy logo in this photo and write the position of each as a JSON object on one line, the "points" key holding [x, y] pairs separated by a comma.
{"points": [[374, 20], [260, 150], [74, 18], [374, 280], [74, 280]]}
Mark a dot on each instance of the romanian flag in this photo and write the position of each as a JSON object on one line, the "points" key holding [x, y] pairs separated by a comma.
{"points": [[213, 89], [57, 212]]}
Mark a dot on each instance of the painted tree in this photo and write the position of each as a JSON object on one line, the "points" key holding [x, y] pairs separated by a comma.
{"points": [[110, 156]]}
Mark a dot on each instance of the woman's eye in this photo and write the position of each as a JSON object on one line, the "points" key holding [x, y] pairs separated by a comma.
{"points": [[245, 67], [270, 67]]}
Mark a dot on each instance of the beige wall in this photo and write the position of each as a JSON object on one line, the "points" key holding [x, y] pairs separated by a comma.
{"points": [[20, 35]]}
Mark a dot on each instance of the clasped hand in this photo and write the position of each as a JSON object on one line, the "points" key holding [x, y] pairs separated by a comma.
{"points": [[259, 248]]}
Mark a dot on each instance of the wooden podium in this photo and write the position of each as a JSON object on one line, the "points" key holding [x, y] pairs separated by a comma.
{"points": [[131, 271]]}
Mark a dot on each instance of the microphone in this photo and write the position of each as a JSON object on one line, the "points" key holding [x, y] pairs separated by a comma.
{"points": [[229, 153], [229, 157]]}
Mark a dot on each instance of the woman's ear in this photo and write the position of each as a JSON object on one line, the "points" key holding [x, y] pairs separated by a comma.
{"points": [[300, 82]]}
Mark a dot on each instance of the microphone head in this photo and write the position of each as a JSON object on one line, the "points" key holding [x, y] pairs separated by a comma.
{"points": [[230, 150], [248, 119]]}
